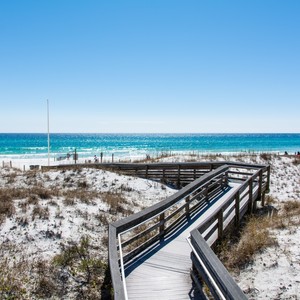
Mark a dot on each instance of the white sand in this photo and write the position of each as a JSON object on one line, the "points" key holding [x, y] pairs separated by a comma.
{"points": [[275, 273]]}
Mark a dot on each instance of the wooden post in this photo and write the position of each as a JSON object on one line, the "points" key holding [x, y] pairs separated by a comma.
{"points": [[263, 199], [268, 179], [226, 178], [75, 156], [178, 176], [205, 193], [254, 206], [260, 184], [101, 157], [187, 208], [250, 204], [112, 158], [237, 208], [10, 164], [162, 225], [146, 175], [220, 223]]}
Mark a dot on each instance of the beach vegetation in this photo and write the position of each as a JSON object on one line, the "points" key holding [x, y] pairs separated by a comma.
{"points": [[32, 199], [125, 188], [43, 193], [292, 207], [11, 177], [7, 208], [82, 184], [85, 196], [69, 201], [266, 156], [22, 221], [117, 203], [83, 267], [270, 200], [23, 205], [296, 161], [12, 281], [40, 212], [239, 248], [155, 157], [102, 217], [53, 202]]}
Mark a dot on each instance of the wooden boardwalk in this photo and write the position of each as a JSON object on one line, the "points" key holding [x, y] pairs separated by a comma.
{"points": [[163, 272]]}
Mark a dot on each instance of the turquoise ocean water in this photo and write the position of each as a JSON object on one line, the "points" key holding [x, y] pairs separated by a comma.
{"points": [[23, 145]]}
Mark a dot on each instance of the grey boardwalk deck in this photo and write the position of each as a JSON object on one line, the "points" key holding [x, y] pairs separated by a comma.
{"points": [[164, 271]]}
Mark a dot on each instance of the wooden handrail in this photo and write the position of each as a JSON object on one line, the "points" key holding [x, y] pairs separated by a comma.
{"points": [[207, 264], [149, 212]]}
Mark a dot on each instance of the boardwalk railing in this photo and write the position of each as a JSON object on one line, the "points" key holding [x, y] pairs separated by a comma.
{"points": [[178, 174], [130, 237], [206, 265]]}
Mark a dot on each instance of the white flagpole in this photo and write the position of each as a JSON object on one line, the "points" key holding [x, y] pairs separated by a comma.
{"points": [[48, 132]]}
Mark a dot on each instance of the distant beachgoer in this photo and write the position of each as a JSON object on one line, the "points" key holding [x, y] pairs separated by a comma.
{"points": [[95, 158], [286, 153]]}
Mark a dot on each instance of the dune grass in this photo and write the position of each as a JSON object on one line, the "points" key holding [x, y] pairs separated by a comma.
{"points": [[239, 248]]}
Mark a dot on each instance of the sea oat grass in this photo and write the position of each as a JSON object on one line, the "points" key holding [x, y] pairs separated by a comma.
{"points": [[40, 212], [296, 161], [269, 200], [255, 237], [288, 217], [85, 196], [266, 156], [43, 193], [102, 218], [292, 207], [117, 203], [7, 208], [11, 177]]}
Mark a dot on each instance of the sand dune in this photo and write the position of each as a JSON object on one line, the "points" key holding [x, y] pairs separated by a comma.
{"points": [[52, 211]]}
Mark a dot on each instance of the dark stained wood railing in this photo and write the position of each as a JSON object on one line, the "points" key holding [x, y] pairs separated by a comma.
{"points": [[206, 264], [178, 174]]}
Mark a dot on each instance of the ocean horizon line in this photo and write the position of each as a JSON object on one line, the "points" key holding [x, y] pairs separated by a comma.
{"points": [[154, 133]]}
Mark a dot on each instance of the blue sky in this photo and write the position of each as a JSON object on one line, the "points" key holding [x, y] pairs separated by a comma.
{"points": [[150, 66]]}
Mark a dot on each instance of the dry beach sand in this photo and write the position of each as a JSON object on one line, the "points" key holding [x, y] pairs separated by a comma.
{"points": [[54, 210]]}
